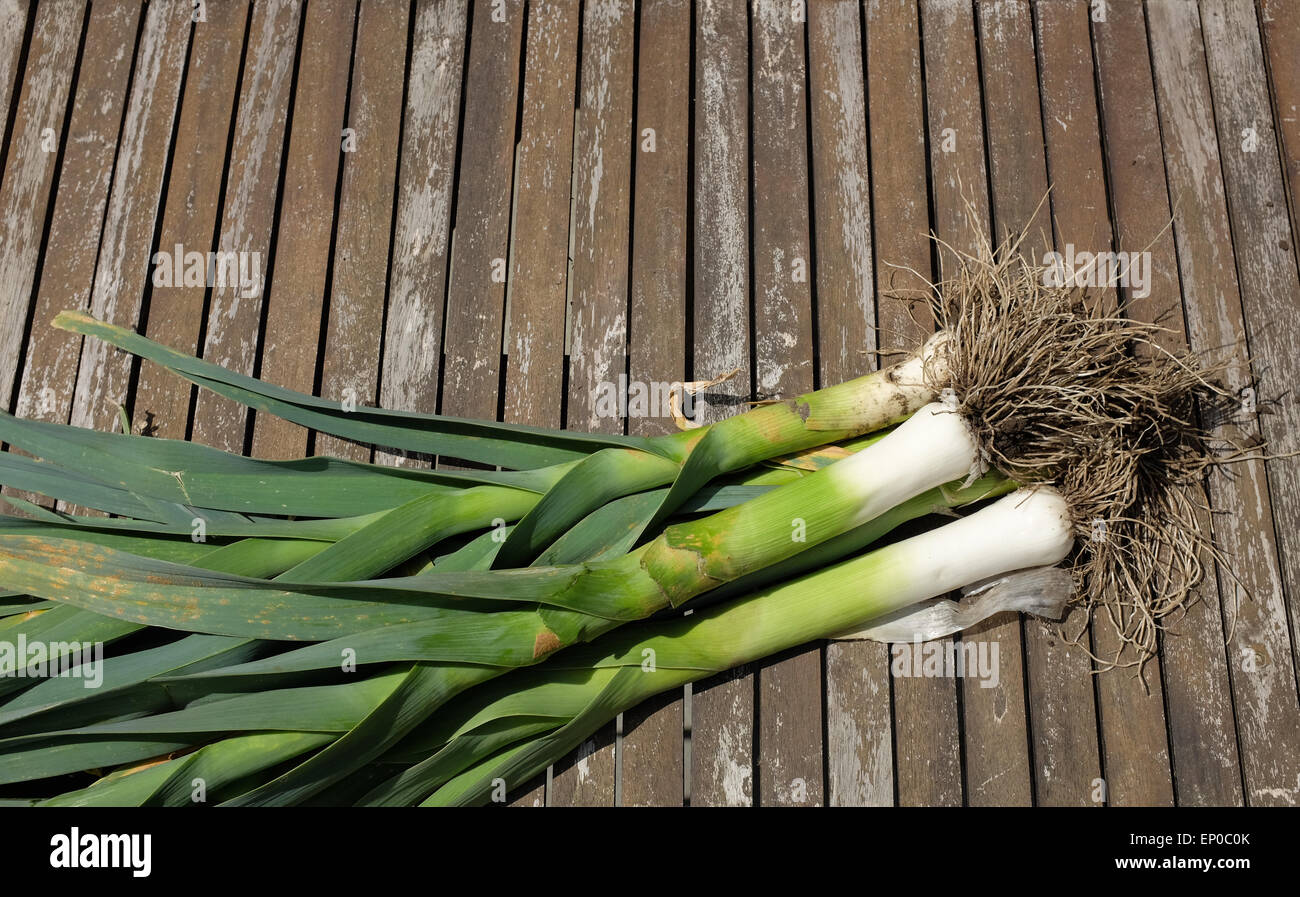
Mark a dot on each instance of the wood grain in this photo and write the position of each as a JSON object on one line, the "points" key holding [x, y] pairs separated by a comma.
{"points": [[1191, 677], [252, 186], [996, 727], [481, 241], [602, 160], [1258, 650], [537, 291], [295, 293], [1197, 695], [131, 219], [175, 316], [722, 708], [859, 743], [651, 748], [13, 28], [350, 361], [1281, 32], [30, 170], [67, 277], [955, 126], [789, 688], [412, 351], [927, 732], [900, 200], [1064, 717], [600, 233], [1264, 245]]}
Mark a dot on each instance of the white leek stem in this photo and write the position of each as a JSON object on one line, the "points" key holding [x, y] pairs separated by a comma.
{"points": [[933, 447], [1028, 528]]}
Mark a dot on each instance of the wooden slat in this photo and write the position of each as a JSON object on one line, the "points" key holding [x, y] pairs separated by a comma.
{"points": [[899, 189], [295, 296], [789, 688], [540, 233], [1259, 657], [846, 306], [1134, 732], [350, 363], [1231, 242], [955, 126], [421, 239], [539, 236], [480, 247], [1062, 701], [996, 736], [1202, 738], [1017, 166], [175, 316], [481, 235], [13, 28], [252, 184], [899, 195], [586, 777], [29, 171], [67, 277], [927, 728], [600, 236], [1281, 31], [859, 746], [1264, 244], [651, 746], [722, 708], [602, 159], [123, 273]]}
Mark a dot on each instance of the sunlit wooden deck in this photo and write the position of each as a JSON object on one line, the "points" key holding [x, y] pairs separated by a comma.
{"points": [[489, 209]]}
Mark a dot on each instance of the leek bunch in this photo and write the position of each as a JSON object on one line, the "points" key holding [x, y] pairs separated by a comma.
{"points": [[335, 632]]}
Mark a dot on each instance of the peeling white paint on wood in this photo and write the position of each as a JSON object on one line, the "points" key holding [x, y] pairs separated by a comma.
{"points": [[722, 713], [294, 300], [1266, 261], [783, 301], [480, 254], [13, 23], [859, 729], [29, 172], [356, 310], [50, 366], [122, 274], [601, 191], [721, 204], [1268, 718], [252, 182], [859, 736], [413, 338]]}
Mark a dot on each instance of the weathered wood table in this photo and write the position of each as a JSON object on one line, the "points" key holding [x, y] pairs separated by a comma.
{"points": [[492, 209]]}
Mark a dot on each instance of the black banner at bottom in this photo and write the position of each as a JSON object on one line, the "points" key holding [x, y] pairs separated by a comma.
{"points": [[301, 846]]}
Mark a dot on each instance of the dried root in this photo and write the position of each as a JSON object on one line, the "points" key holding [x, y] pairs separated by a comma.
{"points": [[1063, 390]]}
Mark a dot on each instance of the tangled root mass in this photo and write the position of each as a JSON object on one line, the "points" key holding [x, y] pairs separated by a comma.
{"points": [[1063, 388]]}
